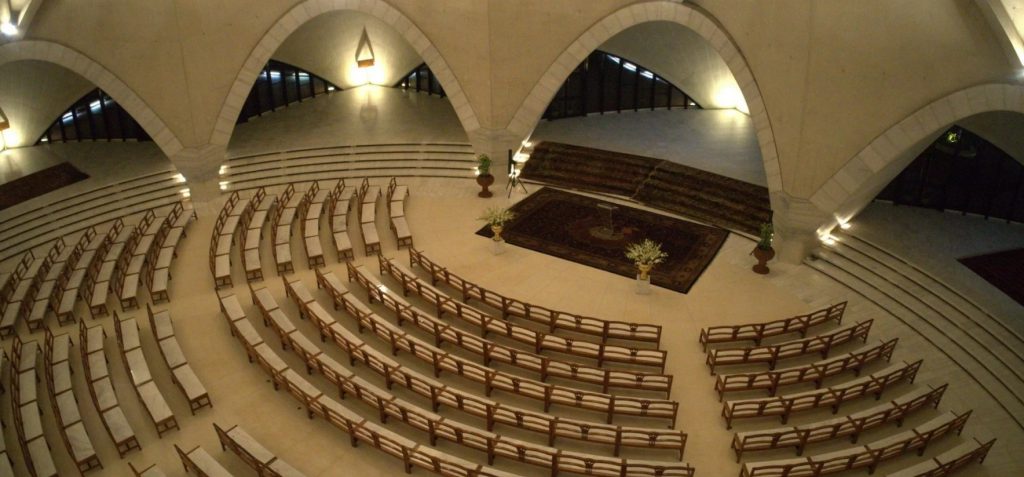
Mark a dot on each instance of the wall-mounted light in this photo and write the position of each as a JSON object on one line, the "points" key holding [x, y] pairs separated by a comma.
{"points": [[8, 29], [364, 51]]}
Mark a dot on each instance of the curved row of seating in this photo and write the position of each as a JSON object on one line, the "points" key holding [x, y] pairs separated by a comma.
{"points": [[224, 231], [756, 332], [539, 340], [311, 207], [490, 351], [101, 389], [368, 196], [130, 347], [495, 445], [771, 354], [396, 196], [339, 204], [340, 416], [281, 229], [162, 328], [253, 453], [253, 217], [26, 410], [19, 291], [64, 404], [553, 319], [471, 403]]}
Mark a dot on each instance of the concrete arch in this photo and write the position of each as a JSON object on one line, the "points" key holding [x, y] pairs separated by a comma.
{"points": [[307, 10], [94, 72], [859, 180], [532, 108]]}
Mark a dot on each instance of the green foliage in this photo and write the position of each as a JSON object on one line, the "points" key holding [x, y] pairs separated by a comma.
{"points": [[767, 234], [483, 164], [646, 252], [497, 216]]}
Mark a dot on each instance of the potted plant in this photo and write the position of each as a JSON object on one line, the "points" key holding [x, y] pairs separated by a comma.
{"points": [[483, 175], [645, 255], [764, 252], [497, 217]]}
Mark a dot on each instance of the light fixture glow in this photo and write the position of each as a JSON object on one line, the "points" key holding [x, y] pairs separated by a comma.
{"points": [[844, 225], [224, 185], [179, 178], [8, 28], [364, 51], [222, 170], [186, 193]]}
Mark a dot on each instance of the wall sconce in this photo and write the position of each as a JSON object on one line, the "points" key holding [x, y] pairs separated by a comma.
{"points": [[364, 51], [4, 125]]}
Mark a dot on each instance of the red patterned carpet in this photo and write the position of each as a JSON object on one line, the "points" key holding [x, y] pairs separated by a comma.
{"points": [[39, 183], [1004, 270], [573, 227]]}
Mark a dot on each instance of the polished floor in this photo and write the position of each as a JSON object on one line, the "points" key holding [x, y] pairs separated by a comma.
{"points": [[443, 218]]}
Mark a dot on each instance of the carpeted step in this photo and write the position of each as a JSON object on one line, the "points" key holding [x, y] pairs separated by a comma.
{"points": [[589, 169]]}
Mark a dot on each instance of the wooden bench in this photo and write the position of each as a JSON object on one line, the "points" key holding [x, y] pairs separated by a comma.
{"points": [[125, 281], [848, 426], [771, 354], [437, 427], [252, 223], [26, 412], [339, 206], [310, 209], [490, 350], [368, 196], [756, 332], [610, 405], [199, 462], [151, 471], [553, 319], [814, 372], [19, 294], [281, 230], [784, 406], [64, 404], [182, 374], [869, 455], [950, 461], [146, 389], [101, 388], [472, 403], [264, 462], [396, 212]]}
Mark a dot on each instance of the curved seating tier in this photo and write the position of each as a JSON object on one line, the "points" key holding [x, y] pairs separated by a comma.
{"points": [[495, 445], [101, 388], [19, 294], [281, 229], [799, 437], [26, 411], [450, 160], [757, 332], [146, 389], [310, 209], [490, 351], [339, 205], [65, 404], [783, 406], [252, 221], [396, 196], [771, 354], [814, 372], [949, 461], [225, 229], [200, 462], [368, 197], [608, 404], [540, 341], [37, 224], [553, 319], [253, 453], [184, 377], [869, 455]]}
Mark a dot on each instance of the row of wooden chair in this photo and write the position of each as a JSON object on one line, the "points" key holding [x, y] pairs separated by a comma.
{"points": [[101, 388], [281, 229], [490, 351], [756, 332], [368, 197], [65, 291], [815, 372], [549, 394], [97, 287], [495, 445], [128, 270], [156, 273], [225, 229], [869, 455], [847, 426], [254, 454], [340, 416], [130, 347], [64, 404], [950, 461], [310, 209], [602, 352], [200, 462], [553, 319], [18, 296], [396, 196], [26, 411], [338, 206], [184, 377], [488, 409], [771, 354], [834, 396], [253, 219]]}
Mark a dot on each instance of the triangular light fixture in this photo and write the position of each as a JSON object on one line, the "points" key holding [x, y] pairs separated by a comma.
{"points": [[364, 52]]}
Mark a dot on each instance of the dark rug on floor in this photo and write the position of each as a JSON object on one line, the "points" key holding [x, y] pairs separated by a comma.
{"points": [[661, 184], [38, 183], [573, 227], [1004, 270]]}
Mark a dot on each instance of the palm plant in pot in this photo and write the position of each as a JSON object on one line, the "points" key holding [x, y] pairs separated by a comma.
{"points": [[764, 252], [483, 175], [645, 254], [497, 217]]}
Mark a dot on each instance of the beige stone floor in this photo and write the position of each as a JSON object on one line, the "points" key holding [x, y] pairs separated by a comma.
{"points": [[442, 217]]}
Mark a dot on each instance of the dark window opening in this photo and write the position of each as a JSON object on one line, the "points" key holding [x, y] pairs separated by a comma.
{"points": [[280, 84], [94, 117], [421, 79]]}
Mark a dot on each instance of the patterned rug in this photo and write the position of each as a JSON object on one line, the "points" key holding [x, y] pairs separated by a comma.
{"points": [[1002, 269], [38, 183], [575, 228]]}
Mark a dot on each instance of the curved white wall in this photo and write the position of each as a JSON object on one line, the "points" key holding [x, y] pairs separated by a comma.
{"points": [[32, 95]]}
